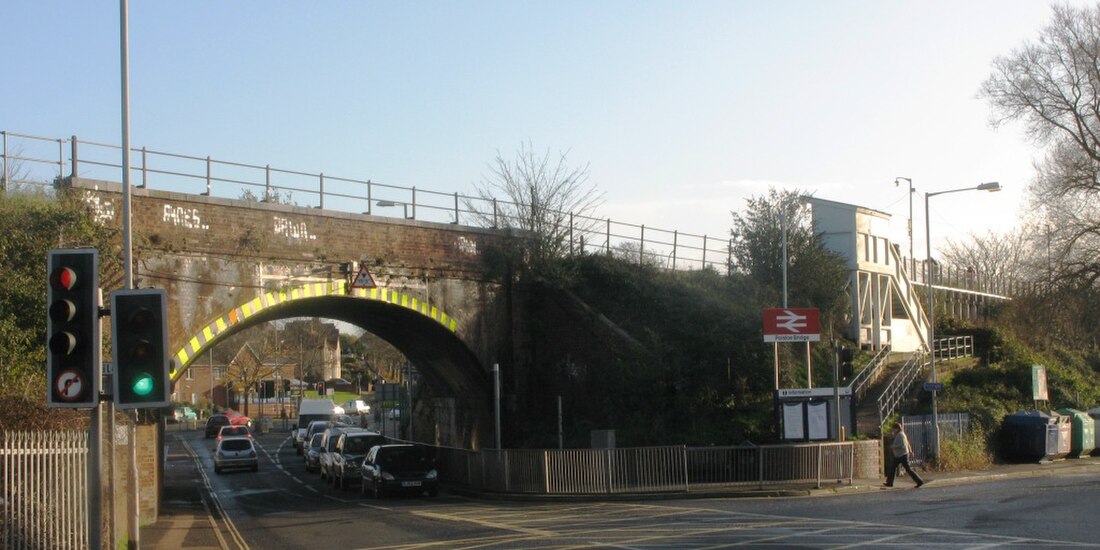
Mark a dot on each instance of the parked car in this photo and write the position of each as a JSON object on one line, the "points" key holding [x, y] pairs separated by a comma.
{"points": [[356, 406], [234, 431], [351, 448], [236, 452], [399, 469], [313, 453], [214, 424], [315, 427], [183, 414], [328, 446]]}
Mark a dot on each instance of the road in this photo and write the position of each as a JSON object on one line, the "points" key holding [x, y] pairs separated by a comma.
{"points": [[285, 507]]}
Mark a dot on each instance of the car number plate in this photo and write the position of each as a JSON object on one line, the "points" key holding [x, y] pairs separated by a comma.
{"points": [[410, 484]]}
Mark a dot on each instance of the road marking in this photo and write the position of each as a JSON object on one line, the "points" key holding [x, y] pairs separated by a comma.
{"points": [[227, 522]]}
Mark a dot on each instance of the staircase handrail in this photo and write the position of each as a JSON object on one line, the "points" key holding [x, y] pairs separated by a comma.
{"points": [[910, 301], [862, 381], [899, 386]]}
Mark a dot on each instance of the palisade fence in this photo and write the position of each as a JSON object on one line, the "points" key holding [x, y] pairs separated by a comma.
{"points": [[34, 160], [44, 490], [919, 431], [644, 469]]}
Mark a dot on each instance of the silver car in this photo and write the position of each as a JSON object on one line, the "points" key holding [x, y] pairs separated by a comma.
{"points": [[313, 453], [236, 452], [328, 446]]}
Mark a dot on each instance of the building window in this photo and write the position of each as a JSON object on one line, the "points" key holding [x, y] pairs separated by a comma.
{"points": [[219, 373], [194, 399], [190, 374]]}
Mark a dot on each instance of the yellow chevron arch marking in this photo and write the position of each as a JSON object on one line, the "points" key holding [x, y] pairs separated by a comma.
{"points": [[197, 343]]}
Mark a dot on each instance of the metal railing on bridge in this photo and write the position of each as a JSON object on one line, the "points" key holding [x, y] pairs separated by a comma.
{"points": [[43, 160], [869, 374], [645, 469]]}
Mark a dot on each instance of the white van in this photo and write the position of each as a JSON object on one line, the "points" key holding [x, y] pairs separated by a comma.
{"points": [[308, 411]]}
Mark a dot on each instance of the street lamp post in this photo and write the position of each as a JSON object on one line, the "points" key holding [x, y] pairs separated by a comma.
{"points": [[991, 187], [912, 260]]}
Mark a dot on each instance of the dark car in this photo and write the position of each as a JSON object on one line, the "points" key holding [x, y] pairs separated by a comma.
{"points": [[214, 424], [351, 447], [399, 469]]}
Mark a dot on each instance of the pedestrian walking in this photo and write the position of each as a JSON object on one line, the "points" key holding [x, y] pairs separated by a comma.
{"points": [[900, 451]]}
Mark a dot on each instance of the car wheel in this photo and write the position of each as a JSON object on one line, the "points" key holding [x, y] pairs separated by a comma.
{"points": [[433, 492], [256, 468], [322, 470], [363, 488], [377, 491], [217, 470]]}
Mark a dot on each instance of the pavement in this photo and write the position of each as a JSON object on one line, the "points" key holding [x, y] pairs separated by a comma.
{"points": [[190, 520]]}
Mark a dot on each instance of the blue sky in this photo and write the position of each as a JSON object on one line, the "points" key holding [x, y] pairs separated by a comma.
{"points": [[682, 108]]}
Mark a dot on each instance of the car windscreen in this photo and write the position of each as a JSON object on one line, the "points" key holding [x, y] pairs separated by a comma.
{"points": [[236, 445], [316, 441], [403, 458], [305, 419], [333, 439], [363, 443]]}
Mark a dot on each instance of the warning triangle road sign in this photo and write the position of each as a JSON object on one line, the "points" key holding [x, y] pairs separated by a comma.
{"points": [[363, 279]]}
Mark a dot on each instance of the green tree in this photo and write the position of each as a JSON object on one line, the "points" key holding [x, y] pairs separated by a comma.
{"points": [[816, 277], [31, 223]]}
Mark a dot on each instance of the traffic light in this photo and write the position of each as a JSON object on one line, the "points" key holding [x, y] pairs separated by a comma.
{"points": [[846, 368], [139, 338], [73, 340]]}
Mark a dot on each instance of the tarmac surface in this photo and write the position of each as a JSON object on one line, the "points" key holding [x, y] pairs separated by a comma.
{"points": [[190, 520]]}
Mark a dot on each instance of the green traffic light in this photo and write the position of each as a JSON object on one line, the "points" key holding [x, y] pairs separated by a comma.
{"points": [[143, 385]]}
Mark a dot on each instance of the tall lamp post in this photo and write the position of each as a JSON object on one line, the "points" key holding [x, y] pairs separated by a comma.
{"points": [[991, 187], [912, 259]]}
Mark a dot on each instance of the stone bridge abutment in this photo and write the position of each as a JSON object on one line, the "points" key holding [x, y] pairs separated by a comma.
{"points": [[229, 265]]}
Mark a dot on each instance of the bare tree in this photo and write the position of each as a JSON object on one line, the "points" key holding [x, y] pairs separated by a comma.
{"points": [[540, 197], [1052, 85], [992, 255]]}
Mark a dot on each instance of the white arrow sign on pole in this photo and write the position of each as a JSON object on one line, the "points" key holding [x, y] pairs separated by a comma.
{"points": [[791, 321]]}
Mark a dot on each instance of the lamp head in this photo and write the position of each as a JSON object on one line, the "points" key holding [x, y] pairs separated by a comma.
{"points": [[391, 203], [991, 186]]}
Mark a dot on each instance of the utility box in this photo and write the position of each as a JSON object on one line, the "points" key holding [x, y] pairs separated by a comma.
{"points": [[1035, 436], [1083, 432]]}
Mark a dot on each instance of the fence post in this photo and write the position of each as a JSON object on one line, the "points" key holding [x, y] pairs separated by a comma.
{"points": [[687, 474], [571, 252], [608, 243], [495, 224], [321, 191], [144, 172], [610, 474], [456, 207], [207, 193], [675, 238], [704, 266], [60, 158], [760, 466], [72, 146], [820, 452], [641, 246], [546, 472], [267, 181]]}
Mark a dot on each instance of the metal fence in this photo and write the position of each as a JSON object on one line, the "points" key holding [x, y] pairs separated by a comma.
{"points": [[954, 347], [34, 160], [45, 488], [919, 431], [645, 469]]}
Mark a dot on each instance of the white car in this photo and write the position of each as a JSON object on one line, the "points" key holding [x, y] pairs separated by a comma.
{"points": [[236, 452], [356, 406]]}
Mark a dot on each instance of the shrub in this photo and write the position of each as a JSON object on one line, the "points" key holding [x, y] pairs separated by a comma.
{"points": [[969, 452]]}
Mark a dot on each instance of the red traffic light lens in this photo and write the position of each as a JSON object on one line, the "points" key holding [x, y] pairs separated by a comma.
{"points": [[63, 278], [141, 319], [142, 351]]}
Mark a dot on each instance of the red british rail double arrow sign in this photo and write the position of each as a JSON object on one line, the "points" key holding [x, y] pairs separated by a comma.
{"points": [[792, 324]]}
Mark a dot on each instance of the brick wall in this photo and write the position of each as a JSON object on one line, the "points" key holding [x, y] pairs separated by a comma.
{"points": [[867, 459]]}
